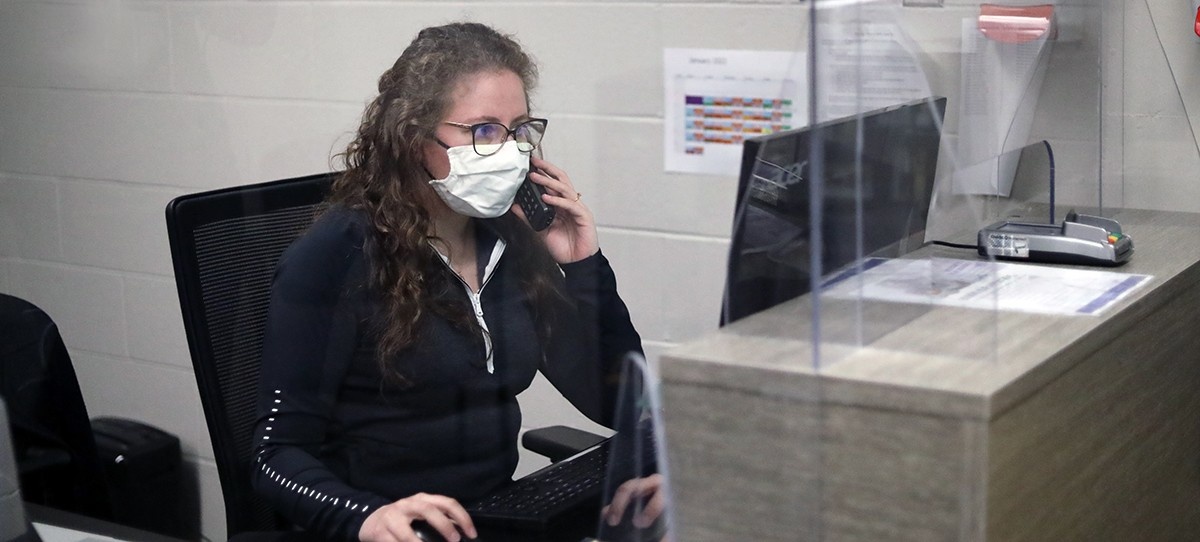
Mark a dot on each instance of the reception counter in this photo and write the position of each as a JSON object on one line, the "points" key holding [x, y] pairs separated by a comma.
{"points": [[923, 422]]}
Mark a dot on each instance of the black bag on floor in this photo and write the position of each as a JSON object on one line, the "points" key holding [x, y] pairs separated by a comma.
{"points": [[143, 468]]}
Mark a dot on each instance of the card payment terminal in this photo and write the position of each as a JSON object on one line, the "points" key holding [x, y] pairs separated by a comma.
{"points": [[1080, 239]]}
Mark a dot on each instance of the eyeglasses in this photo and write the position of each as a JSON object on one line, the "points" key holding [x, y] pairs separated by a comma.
{"points": [[488, 137]]}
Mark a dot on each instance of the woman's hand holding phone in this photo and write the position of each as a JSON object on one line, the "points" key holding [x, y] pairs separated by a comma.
{"points": [[571, 235]]}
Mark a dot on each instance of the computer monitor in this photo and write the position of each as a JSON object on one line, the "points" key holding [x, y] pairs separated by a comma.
{"points": [[14, 524], [878, 170]]}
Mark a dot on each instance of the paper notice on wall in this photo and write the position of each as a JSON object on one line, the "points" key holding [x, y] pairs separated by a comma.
{"points": [[1002, 75], [866, 64], [715, 99]]}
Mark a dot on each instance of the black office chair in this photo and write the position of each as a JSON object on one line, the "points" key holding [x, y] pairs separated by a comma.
{"points": [[54, 445], [225, 245]]}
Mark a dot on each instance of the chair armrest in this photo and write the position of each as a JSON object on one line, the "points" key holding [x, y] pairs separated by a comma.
{"points": [[558, 442]]}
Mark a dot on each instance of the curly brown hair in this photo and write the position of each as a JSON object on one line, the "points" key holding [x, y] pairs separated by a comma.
{"points": [[385, 178]]}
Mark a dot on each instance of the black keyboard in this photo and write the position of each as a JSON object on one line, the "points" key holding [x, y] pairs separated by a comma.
{"points": [[535, 501]]}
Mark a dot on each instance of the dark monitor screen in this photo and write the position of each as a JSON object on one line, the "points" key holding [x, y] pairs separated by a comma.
{"points": [[14, 525], [878, 170]]}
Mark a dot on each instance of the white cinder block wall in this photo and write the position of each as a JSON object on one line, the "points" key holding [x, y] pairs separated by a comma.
{"points": [[110, 108]]}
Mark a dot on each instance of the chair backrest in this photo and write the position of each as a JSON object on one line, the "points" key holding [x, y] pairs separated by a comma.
{"points": [[225, 245], [52, 435]]}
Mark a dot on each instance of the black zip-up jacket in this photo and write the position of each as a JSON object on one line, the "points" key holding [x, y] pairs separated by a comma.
{"points": [[336, 439]]}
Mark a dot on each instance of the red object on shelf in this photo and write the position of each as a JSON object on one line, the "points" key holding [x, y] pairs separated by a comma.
{"points": [[1017, 24], [1197, 27]]}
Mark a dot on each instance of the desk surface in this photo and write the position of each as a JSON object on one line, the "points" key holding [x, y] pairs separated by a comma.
{"points": [[58, 526], [946, 360], [572, 528], [54, 533], [55, 525]]}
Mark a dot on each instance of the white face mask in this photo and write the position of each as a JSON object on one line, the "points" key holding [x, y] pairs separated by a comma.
{"points": [[482, 186]]}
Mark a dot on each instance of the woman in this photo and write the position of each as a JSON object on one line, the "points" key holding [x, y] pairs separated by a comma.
{"points": [[405, 322]]}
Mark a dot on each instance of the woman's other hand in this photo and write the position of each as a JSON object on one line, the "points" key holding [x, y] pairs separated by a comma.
{"points": [[646, 492], [393, 523]]}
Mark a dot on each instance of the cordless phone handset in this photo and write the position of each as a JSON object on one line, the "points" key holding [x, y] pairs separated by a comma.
{"points": [[539, 213]]}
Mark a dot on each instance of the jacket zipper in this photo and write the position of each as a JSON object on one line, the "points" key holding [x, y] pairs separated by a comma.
{"points": [[476, 299]]}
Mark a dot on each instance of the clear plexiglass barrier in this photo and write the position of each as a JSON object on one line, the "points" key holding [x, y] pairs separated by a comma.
{"points": [[956, 216], [944, 141]]}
